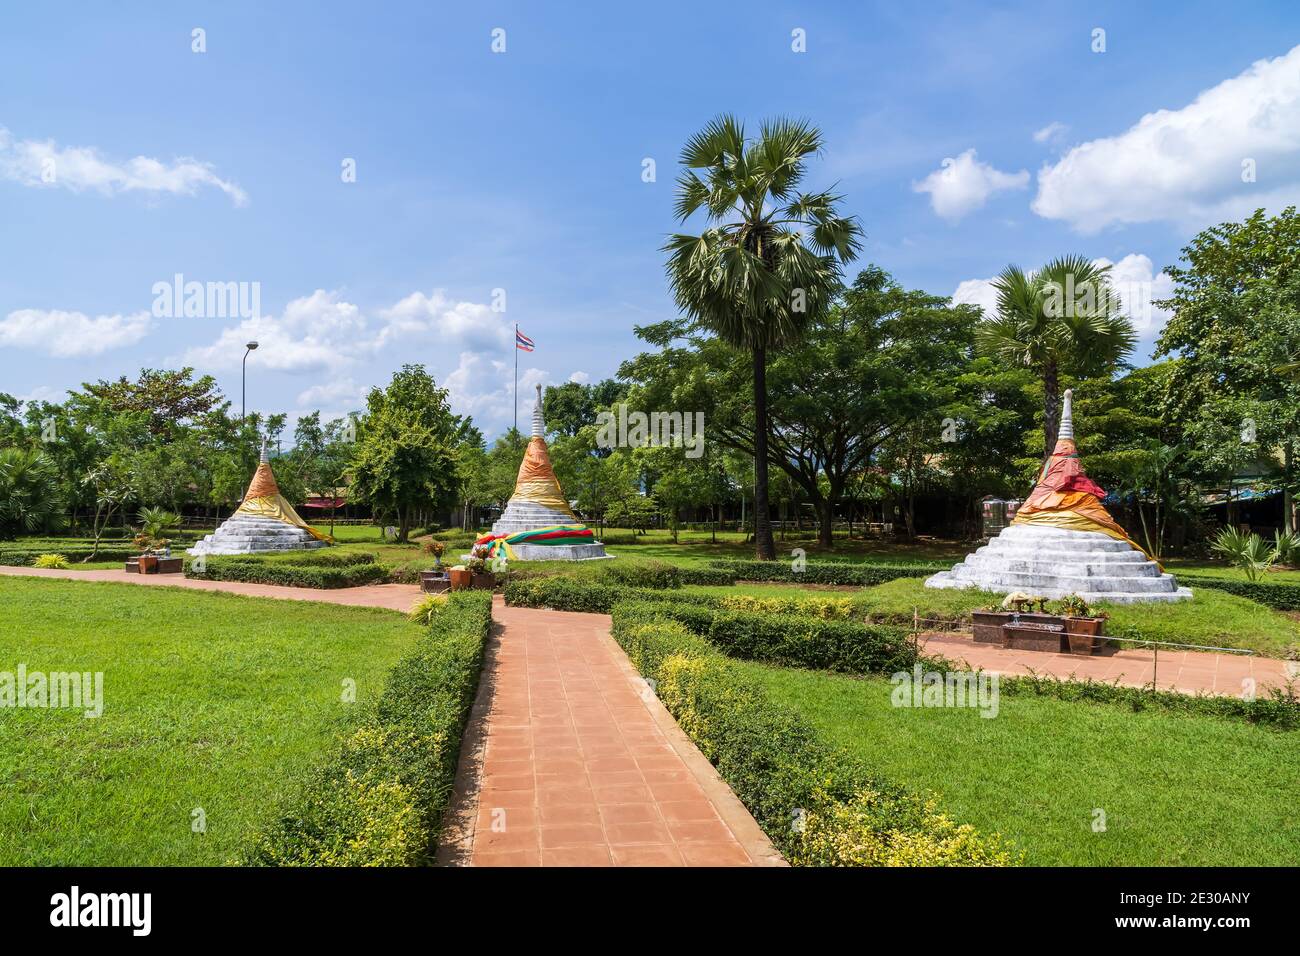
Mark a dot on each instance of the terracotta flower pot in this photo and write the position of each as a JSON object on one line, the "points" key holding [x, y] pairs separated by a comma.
{"points": [[484, 580], [460, 580], [1083, 633], [148, 564]]}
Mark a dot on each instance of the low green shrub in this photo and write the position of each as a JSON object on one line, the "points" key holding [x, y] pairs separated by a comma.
{"points": [[318, 575], [380, 797], [320, 558], [794, 640], [826, 572], [586, 594], [56, 562], [818, 805], [1279, 707], [19, 556], [650, 574], [1280, 597]]}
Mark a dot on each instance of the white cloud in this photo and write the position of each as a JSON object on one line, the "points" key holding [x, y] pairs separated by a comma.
{"points": [[34, 163], [1133, 277], [1185, 165], [977, 292], [71, 334], [337, 393], [319, 332], [483, 387], [582, 378], [1052, 131], [963, 184], [458, 324]]}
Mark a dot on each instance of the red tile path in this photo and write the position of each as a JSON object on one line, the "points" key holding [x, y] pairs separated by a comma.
{"points": [[1188, 671], [395, 597], [570, 760]]}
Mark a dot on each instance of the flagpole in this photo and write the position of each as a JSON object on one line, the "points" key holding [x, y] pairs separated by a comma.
{"points": [[516, 345]]}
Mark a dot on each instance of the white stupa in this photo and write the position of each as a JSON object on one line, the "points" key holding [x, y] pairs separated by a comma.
{"points": [[263, 522], [1063, 541], [538, 524]]}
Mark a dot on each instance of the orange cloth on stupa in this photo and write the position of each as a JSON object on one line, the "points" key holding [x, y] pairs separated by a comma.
{"points": [[1067, 498], [263, 500], [536, 481]]}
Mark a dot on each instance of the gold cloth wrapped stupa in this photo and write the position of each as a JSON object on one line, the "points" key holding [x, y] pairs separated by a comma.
{"points": [[538, 524], [264, 521]]}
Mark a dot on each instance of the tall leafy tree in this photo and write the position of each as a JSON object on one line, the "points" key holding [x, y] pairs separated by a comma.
{"points": [[1063, 320], [405, 459], [769, 260], [1235, 325], [882, 357]]}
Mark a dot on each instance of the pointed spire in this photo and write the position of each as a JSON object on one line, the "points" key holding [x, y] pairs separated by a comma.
{"points": [[263, 460], [1067, 417], [537, 414]]}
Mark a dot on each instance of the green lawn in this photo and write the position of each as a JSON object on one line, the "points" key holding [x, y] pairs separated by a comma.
{"points": [[1175, 790], [212, 701]]}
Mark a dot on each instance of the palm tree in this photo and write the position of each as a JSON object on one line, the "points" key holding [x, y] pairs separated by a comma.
{"points": [[1063, 320], [769, 260], [30, 500]]}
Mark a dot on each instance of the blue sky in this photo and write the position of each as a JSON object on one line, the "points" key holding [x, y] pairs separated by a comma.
{"points": [[522, 171]]}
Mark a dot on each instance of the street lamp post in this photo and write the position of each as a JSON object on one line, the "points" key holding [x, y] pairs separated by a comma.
{"points": [[243, 375]]}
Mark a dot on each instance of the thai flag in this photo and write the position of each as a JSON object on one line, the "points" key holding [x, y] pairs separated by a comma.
{"points": [[522, 341]]}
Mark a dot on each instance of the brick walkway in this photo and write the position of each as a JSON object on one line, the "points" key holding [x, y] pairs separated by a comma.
{"points": [[395, 597], [571, 761], [1188, 671]]}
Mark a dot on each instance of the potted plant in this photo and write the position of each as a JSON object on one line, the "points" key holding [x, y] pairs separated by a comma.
{"points": [[434, 580], [480, 576], [1082, 625], [460, 577], [155, 549]]}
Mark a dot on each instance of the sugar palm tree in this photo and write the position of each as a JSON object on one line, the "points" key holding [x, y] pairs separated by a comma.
{"points": [[30, 499], [769, 260], [1062, 320]]}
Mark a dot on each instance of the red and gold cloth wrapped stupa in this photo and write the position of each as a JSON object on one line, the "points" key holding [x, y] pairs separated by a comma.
{"points": [[1063, 541], [1064, 496]]}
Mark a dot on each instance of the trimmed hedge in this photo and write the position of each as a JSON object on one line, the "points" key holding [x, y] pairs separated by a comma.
{"points": [[792, 640], [25, 556], [318, 573], [827, 572], [777, 631], [380, 798], [661, 576], [819, 806], [1279, 708], [1280, 597], [578, 594]]}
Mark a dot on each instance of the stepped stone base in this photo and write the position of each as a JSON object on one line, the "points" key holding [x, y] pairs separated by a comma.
{"points": [[245, 534], [561, 552], [1055, 562], [526, 516]]}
